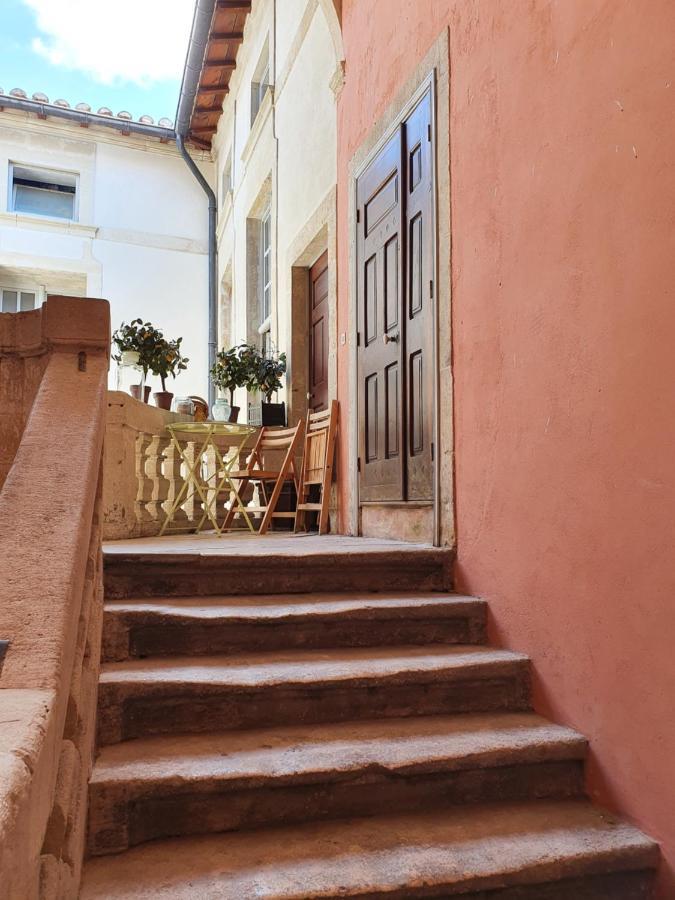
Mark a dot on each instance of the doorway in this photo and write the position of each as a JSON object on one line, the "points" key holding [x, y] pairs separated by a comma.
{"points": [[318, 335], [396, 318]]}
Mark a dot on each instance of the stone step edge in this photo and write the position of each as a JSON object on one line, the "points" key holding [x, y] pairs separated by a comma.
{"points": [[551, 842], [567, 746]]}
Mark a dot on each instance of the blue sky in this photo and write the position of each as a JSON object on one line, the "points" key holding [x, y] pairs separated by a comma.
{"points": [[126, 54]]}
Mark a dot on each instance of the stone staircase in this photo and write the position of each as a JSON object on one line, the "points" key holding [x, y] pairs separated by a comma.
{"points": [[331, 745]]}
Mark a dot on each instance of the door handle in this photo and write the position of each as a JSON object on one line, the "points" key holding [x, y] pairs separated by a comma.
{"points": [[390, 338]]}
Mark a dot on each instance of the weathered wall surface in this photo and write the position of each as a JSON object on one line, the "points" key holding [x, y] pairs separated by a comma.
{"points": [[562, 176]]}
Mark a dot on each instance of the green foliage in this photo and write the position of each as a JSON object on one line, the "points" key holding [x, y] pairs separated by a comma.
{"points": [[268, 373], [167, 359], [155, 353], [245, 366], [231, 369]]}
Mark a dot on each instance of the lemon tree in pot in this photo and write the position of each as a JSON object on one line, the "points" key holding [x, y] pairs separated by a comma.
{"points": [[133, 346], [267, 374], [230, 371], [166, 360]]}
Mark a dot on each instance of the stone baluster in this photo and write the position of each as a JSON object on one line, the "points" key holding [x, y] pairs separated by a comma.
{"points": [[144, 492], [159, 484], [173, 471]]}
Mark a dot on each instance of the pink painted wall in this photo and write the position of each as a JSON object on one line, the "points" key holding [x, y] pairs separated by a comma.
{"points": [[563, 233]]}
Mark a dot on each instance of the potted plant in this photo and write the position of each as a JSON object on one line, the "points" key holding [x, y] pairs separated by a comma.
{"points": [[230, 371], [166, 359], [127, 346], [267, 378]]}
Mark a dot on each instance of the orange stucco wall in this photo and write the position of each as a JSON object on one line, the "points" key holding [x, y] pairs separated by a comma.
{"points": [[563, 315]]}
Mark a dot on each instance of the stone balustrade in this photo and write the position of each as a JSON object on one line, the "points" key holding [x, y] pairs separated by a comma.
{"points": [[143, 473], [53, 373]]}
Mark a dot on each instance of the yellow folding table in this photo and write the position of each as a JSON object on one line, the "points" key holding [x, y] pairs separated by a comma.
{"points": [[205, 435]]}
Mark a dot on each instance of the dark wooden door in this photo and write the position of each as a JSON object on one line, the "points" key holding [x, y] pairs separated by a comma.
{"points": [[419, 319], [318, 335], [395, 315], [381, 451]]}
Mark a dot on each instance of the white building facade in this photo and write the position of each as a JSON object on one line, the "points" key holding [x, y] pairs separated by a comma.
{"points": [[275, 157], [91, 212]]}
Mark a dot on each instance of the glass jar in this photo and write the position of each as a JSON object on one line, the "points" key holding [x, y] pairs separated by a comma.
{"points": [[183, 406], [221, 410], [130, 375]]}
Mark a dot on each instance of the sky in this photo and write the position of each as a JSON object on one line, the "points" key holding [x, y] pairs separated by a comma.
{"points": [[123, 54]]}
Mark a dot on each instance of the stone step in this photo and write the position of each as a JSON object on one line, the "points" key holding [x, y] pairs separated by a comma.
{"points": [[541, 850], [205, 625], [171, 786], [198, 694], [298, 568]]}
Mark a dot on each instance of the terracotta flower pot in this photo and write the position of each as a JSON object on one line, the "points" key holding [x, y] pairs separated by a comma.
{"points": [[163, 399], [135, 391]]}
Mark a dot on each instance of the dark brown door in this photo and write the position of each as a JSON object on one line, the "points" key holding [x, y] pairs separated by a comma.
{"points": [[318, 335], [419, 335], [380, 341], [395, 315]]}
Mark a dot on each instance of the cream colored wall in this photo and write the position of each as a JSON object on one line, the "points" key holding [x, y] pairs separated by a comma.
{"points": [[287, 158], [140, 239]]}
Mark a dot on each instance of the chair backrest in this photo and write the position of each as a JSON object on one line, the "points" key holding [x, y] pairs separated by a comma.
{"points": [[319, 443], [275, 440]]}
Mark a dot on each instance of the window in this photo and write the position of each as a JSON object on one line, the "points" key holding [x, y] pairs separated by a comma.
{"points": [[265, 268], [260, 83], [42, 192], [15, 300]]}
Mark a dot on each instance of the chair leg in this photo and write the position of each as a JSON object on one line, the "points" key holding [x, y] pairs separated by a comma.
{"points": [[300, 513], [241, 487], [323, 513]]}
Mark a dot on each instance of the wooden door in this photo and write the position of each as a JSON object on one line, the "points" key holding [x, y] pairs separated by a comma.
{"points": [[395, 315], [318, 335], [419, 318], [380, 350]]}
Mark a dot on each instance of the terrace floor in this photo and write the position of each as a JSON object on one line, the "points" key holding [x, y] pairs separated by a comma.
{"points": [[277, 544]]}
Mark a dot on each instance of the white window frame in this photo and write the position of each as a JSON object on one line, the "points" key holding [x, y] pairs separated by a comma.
{"points": [[260, 83], [11, 191], [38, 290], [265, 270]]}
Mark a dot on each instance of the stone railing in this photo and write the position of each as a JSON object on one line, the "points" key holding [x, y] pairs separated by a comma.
{"points": [[50, 590], [143, 473]]}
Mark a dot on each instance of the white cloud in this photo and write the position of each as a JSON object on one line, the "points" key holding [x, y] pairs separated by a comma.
{"points": [[141, 41]]}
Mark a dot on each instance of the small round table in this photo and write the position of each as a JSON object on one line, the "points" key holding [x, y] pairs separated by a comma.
{"points": [[206, 432]]}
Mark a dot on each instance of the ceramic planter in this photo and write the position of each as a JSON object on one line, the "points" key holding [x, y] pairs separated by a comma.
{"points": [[135, 391], [163, 399], [273, 413]]}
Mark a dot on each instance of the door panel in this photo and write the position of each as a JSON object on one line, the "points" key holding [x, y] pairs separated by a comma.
{"points": [[395, 315], [379, 191], [419, 319], [318, 335]]}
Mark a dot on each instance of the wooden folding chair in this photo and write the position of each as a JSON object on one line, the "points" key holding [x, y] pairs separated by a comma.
{"points": [[258, 469], [317, 465]]}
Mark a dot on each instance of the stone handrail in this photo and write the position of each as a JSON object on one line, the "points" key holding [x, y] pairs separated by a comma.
{"points": [[51, 594], [143, 472]]}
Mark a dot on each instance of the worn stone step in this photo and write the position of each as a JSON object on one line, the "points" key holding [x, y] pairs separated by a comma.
{"points": [[541, 850], [298, 568], [191, 694], [205, 625], [171, 786]]}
